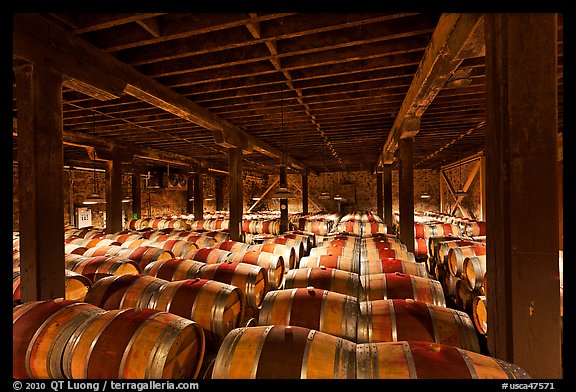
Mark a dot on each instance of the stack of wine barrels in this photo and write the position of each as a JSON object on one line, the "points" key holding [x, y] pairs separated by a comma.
{"points": [[349, 310], [342, 304]]}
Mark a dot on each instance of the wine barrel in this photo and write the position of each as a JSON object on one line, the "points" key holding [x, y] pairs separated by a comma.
{"points": [[401, 286], [200, 240], [313, 308], [445, 246], [124, 291], [476, 228], [392, 320], [76, 286], [465, 295], [307, 240], [98, 267], [250, 279], [420, 248], [297, 244], [288, 252], [473, 270], [137, 224], [425, 360], [175, 269], [273, 264], [35, 326], [208, 255], [330, 250], [75, 249], [371, 228], [480, 314], [457, 255], [325, 278], [350, 264], [318, 227], [217, 307], [380, 266], [434, 243], [135, 344], [231, 246], [284, 352], [389, 254], [176, 246]]}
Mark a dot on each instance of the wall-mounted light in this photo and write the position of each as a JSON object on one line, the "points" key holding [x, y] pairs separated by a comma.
{"points": [[95, 197]]}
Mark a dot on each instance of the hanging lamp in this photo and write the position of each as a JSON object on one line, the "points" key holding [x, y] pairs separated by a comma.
{"points": [[95, 197], [282, 192]]}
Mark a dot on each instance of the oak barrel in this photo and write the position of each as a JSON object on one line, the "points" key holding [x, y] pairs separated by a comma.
{"points": [[401, 286], [379, 266], [284, 352], [333, 279], [36, 326], [395, 320], [250, 279], [273, 264], [344, 263], [98, 267], [217, 307], [425, 360], [135, 344], [457, 255], [313, 308]]}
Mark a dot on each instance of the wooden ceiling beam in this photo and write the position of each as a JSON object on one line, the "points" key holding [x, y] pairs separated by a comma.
{"points": [[32, 32], [456, 37]]}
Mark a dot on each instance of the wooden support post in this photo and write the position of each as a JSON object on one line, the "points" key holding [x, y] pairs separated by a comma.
{"points": [[524, 324], [482, 188], [283, 202], [40, 183], [236, 192], [388, 217], [190, 194], [305, 193], [406, 186], [114, 194], [379, 195], [219, 192], [136, 194], [198, 195]]}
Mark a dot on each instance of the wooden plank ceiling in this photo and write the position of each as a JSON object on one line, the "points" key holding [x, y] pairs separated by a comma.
{"points": [[324, 89]]}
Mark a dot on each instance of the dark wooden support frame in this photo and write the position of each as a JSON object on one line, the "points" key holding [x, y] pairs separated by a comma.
{"points": [[522, 218], [406, 192], [236, 192], [40, 183]]}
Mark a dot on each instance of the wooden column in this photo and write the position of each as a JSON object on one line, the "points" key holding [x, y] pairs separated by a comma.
{"points": [[283, 202], [136, 194], [305, 193], [190, 195], [379, 195], [406, 192], [236, 190], [387, 200], [40, 183], [482, 188], [524, 325], [219, 192], [198, 195], [114, 194]]}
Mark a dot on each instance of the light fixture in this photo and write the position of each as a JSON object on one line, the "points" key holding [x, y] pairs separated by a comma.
{"points": [[282, 192], [460, 78], [338, 197], [95, 197], [324, 196], [256, 198], [425, 195], [126, 200], [210, 197]]}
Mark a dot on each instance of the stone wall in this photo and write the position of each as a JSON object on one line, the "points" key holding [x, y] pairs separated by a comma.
{"points": [[359, 187]]}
